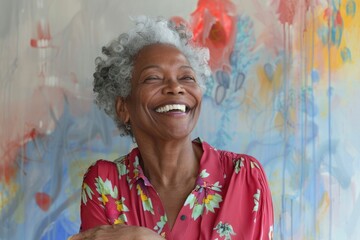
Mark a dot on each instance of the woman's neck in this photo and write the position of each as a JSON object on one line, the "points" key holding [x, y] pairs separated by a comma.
{"points": [[169, 163]]}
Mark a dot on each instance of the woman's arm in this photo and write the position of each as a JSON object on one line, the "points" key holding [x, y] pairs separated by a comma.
{"points": [[94, 196], [118, 231], [99, 191]]}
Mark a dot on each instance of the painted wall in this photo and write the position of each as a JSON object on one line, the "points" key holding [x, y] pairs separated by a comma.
{"points": [[284, 89]]}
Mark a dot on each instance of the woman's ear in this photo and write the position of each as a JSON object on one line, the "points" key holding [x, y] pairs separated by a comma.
{"points": [[121, 109]]}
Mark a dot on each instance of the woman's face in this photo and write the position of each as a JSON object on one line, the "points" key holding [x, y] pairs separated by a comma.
{"points": [[165, 97]]}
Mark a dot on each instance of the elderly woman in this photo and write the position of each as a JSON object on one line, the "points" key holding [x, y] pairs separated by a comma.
{"points": [[170, 186]]}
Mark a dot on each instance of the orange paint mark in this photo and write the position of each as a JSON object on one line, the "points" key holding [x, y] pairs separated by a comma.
{"points": [[43, 200], [327, 13], [7, 173]]}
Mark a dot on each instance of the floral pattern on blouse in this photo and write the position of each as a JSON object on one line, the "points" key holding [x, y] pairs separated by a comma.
{"points": [[160, 224], [86, 193], [231, 198], [238, 164], [224, 230], [146, 201], [204, 196]]}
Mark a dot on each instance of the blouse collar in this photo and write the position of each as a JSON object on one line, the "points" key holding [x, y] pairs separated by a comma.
{"points": [[210, 160]]}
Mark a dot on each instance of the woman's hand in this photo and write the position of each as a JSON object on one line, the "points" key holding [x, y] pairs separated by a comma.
{"points": [[118, 231]]}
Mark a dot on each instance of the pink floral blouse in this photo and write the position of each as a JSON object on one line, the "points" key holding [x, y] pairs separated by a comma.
{"points": [[231, 199]]}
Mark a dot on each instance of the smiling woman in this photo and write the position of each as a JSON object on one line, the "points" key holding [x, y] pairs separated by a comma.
{"points": [[170, 186], [163, 83]]}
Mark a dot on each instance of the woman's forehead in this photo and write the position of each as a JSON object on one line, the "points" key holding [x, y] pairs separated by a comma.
{"points": [[160, 54]]}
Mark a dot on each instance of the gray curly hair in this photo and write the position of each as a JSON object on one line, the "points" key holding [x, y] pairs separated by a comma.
{"points": [[113, 74]]}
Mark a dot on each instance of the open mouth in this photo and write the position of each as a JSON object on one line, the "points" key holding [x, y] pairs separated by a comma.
{"points": [[172, 108]]}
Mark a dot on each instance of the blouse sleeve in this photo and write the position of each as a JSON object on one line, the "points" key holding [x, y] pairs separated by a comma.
{"points": [[97, 190], [264, 219], [250, 210]]}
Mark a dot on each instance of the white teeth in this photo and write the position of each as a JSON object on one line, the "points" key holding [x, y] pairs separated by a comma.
{"points": [[170, 107]]}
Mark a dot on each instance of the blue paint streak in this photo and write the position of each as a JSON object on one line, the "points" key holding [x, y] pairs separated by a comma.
{"points": [[329, 126], [283, 203], [315, 77]]}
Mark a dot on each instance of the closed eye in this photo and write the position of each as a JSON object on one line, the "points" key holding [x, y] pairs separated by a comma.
{"points": [[152, 78], [188, 78]]}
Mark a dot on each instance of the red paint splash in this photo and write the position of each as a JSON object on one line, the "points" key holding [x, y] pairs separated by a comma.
{"points": [[43, 200], [333, 16], [335, 24], [214, 26], [31, 135], [288, 9], [43, 36], [338, 22], [11, 148]]}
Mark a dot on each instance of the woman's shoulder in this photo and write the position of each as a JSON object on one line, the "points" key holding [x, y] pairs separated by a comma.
{"points": [[233, 163], [105, 169], [250, 160], [233, 156]]}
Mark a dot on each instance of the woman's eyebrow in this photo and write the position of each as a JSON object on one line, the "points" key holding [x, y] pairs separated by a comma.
{"points": [[187, 67], [158, 67], [148, 67]]}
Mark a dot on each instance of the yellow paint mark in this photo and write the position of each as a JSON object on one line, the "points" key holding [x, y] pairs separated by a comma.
{"points": [[8, 193], [268, 85], [279, 120], [318, 50], [323, 210]]}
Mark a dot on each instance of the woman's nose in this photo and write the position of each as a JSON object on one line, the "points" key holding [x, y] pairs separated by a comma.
{"points": [[173, 86]]}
